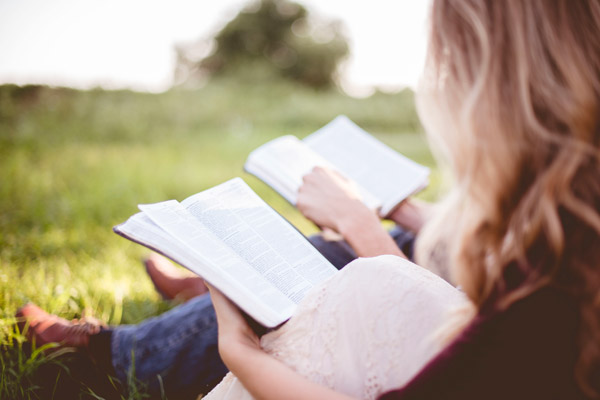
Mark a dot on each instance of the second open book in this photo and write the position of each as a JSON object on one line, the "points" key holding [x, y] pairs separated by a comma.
{"points": [[384, 177]]}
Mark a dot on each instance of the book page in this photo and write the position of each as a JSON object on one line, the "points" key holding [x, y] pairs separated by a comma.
{"points": [[140, 229], [282, 162], [264, 239], [214, 260], [386, 174]]}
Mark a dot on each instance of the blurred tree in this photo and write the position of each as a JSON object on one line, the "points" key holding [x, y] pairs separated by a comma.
{"points": [[276, 36]]}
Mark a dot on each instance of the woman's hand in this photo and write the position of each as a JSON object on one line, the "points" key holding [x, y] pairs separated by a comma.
{"points": [[235, 335], [329, 200]]}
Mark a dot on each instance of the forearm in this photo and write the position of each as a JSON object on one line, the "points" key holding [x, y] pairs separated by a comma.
{"points": [[267, 378], [411, 214], [365, 234]]}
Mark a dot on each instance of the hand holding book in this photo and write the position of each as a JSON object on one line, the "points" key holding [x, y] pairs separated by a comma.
{"points": [[328, 199], [383, 177], [237, 243]]}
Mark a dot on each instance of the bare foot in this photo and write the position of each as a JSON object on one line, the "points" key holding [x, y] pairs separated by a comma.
{"points": [[173, 282]]}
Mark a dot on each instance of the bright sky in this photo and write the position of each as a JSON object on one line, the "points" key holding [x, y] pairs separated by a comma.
{"points": [[129, 43]]}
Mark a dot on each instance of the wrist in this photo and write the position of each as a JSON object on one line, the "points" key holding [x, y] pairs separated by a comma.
{"points": [[411, 214], [367, 237], [361, 219], [236, 351]]}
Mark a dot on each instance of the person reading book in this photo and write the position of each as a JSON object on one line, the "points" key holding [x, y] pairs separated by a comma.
{"points": [[511, 97], [179, 346]]}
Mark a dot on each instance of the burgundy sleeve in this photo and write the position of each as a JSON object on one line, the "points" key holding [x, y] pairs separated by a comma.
{"points": [[525, 352]]}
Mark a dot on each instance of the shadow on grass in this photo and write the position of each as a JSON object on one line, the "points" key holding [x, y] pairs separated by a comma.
{"points": [[51, 372], [29, 373]]}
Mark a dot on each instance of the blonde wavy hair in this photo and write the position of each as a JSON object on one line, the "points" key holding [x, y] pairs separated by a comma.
{"points": [[511, 101]]}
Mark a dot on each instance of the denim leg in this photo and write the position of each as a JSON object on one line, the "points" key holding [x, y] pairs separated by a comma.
{"points": [[339, 252], [179, 345], [405, 240]]}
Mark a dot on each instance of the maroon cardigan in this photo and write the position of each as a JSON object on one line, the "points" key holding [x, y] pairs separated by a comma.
{"points": [[525, 352]]}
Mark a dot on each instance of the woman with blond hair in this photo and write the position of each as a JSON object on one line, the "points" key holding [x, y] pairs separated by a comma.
{"points": [[511, 100]]}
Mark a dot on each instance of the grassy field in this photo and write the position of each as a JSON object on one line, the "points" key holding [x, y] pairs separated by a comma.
{"points": [[73, 164]]}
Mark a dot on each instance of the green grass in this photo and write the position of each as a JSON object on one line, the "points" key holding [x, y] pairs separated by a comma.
{"points": [[73, 164]]}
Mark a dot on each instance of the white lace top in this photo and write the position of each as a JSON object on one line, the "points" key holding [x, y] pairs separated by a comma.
{"points": [[367, 330]]}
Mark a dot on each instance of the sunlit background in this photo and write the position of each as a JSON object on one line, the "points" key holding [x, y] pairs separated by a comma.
{"points": [[130, 43], [106, 104]]}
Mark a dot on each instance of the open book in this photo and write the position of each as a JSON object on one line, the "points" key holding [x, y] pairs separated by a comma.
{"points": [[236, 242], [384, 177]]}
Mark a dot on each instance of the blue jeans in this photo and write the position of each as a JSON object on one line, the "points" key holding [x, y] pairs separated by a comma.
{"points": [[180, 346], [177, 351]]}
